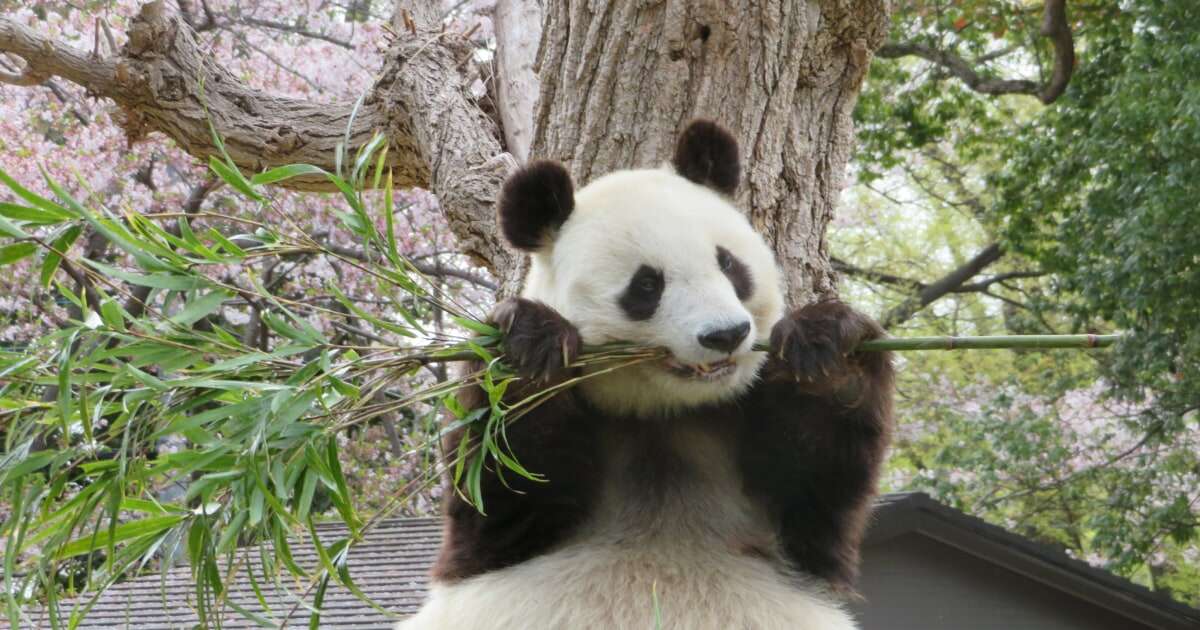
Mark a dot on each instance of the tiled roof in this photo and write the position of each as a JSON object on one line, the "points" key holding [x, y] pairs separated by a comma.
{"points": [[390, 566]]}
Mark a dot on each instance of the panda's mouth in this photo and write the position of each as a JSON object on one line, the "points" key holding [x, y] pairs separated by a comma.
{"points": [[702, 371]]}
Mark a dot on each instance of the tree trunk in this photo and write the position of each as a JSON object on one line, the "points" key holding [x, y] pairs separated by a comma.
{"points": [[620, 79]]}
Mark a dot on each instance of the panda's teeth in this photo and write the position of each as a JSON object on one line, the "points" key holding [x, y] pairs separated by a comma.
{"points": [[701, 370]]}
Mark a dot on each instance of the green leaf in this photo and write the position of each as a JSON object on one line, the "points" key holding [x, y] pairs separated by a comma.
{"points": [[54, 257], [234, 178], [10, 229], [229, 246], [200, 308], [112, 314], [124, 532], [43, 204], [475, 326], [282, 173], [176, 282], [32, 215], [12, 253]]}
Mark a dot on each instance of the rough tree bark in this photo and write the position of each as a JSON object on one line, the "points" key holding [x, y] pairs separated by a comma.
{"points": [[618, 80], [164, 81]]}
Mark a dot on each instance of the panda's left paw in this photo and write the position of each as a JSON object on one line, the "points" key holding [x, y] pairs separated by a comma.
{"points": [[539, 343], [816, 342]]}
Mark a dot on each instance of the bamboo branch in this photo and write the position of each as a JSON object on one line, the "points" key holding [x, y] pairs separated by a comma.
{"points": [[904, 344], [998, 342]]}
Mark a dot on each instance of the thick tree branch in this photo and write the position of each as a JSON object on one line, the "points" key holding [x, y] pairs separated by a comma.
{"points": [[871, 275], [1054, 27], [932, 292], [163, 81], [881, 277], [458, 141], [518, 25]]}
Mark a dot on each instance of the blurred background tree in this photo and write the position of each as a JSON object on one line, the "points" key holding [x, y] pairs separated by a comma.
{"points": [[992, 197]]}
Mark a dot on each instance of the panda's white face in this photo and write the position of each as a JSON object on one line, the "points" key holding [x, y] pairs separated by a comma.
{"points": [[652, 258]]}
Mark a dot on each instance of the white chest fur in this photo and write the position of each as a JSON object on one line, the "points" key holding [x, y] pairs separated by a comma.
{"points": [[674, 543]]}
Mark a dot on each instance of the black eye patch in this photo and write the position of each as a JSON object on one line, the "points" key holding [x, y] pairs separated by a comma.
{"points": [[737, 272], [640, 298]]}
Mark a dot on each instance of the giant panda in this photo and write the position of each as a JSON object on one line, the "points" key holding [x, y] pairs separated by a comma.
{"points": [[721, 488]]}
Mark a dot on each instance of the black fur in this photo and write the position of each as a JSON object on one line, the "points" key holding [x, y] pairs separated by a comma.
{"points": [[534, 203], [640, 298], [538, 342], [818, 426], [525, 518], [810, 436], [737, 272], [707, 154]]}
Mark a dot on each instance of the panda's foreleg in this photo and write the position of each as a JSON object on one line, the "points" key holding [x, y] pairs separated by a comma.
{"points": [[522, 518], [816, 431]]}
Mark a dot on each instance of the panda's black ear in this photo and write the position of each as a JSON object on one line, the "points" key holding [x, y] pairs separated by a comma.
{"points": [[534, 203], [707, 154]]}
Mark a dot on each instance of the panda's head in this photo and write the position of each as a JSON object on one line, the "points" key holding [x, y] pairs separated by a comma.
{"points": [[659, 257]]}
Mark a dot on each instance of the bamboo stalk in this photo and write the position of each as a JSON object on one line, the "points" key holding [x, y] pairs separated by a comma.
{"points": [[998, 342], [1011, 342], [900, 344]]}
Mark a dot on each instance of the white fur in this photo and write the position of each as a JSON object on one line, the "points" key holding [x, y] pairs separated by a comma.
{"points": [[679, 552], [655, 217]]}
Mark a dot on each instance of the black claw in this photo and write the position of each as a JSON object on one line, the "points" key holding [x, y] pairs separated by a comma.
{"points": [[817, 342], [536, 338]]}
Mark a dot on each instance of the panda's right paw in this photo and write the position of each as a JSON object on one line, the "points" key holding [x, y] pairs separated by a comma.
{"points": [[539, 343]]}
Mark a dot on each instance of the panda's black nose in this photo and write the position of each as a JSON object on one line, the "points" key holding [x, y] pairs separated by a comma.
{"points": [[725, 339]]}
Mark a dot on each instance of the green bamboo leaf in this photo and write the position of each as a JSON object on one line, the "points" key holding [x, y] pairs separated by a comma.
{"points": [[364, 158], [370, 317], [12, 253], [281, 173], [156, 234], [229, 246], [150, 507], [141, 250], [314, 620], [32, 215], [379, 166], [200, 308], [306, 496], [57, 248], [32, 198], [10, 229], [283, 549], [156, 280], [389, 215], [19, 463], [129, 531], [283, 329], [112, 314], [145, 378], [65, 396], [234, 178], [475, 326]]}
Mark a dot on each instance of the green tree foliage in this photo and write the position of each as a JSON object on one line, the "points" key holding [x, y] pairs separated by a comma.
{"points": [[1104, 194], [1092, 199]]}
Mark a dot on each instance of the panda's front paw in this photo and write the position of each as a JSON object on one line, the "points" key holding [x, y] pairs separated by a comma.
{"points": [[539, 343], [816, 342]]}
